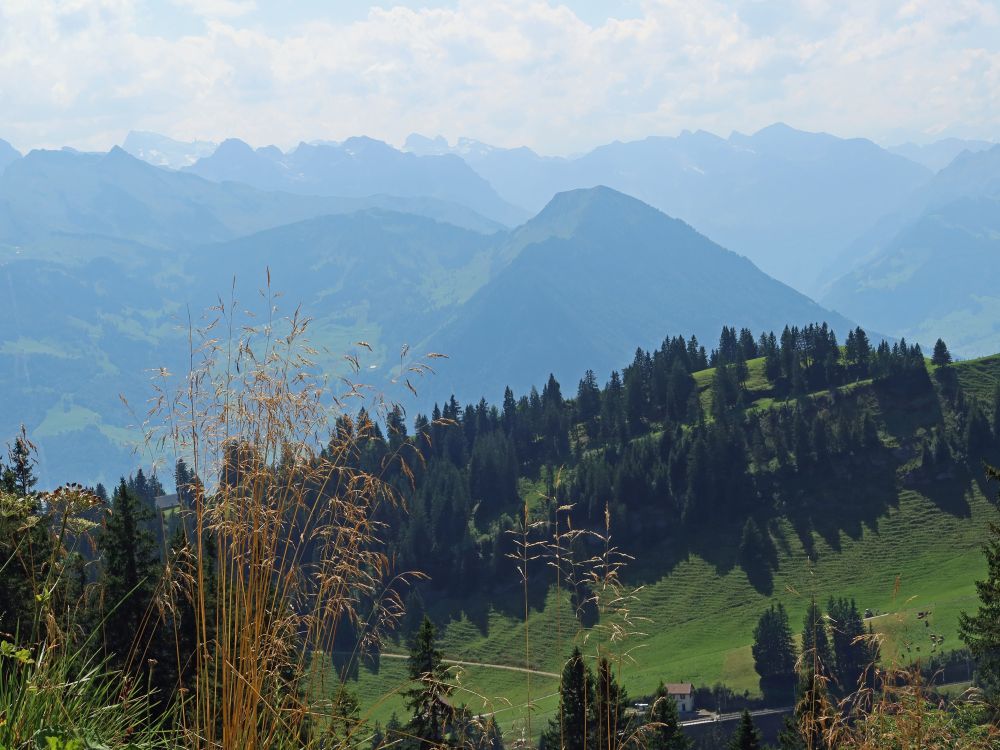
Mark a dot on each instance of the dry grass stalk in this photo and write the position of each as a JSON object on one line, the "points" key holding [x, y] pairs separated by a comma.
{"points": [[292, 518]]}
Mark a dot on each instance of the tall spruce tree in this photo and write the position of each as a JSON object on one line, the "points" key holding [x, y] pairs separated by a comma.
{"points": [[25, 544], [852, 651], [816, 651], [746, 736], [666, 732], [175, 645], [428, 699], [130, 575], [610, 700], [981, 631], [571, 727], [813, 715], [941, 355], [774, 654], [19, 475]]}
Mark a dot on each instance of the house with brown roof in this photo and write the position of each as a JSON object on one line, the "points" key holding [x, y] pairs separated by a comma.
{"points": [[683, 695]]}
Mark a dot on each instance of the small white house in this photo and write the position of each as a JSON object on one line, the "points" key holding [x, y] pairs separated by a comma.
{"points": [[683, 695]]}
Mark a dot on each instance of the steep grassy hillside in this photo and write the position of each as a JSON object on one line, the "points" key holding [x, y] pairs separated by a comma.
{"points": [[920, 554]]}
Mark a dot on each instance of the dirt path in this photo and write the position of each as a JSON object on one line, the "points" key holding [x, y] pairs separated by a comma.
{"points": [[461, 663]]}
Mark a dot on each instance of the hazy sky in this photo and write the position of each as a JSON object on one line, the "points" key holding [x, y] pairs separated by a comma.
{"points": [[560, 77]]}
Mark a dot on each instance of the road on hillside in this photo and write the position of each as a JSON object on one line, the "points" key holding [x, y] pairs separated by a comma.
{"points": [[732, 716], [462, 663]]}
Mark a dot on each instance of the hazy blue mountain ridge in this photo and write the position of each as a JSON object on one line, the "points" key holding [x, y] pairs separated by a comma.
{"points": [[161, 151], [75, 205], [935, 278], [8, 155], [930, 269], [81, 334], [593, 276], [791, 201], [357, 167], [969, 175], [939, 154], [596, 274]]}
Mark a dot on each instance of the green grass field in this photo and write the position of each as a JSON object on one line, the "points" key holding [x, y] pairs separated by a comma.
{"points": [[921, 555], [980, 376]]}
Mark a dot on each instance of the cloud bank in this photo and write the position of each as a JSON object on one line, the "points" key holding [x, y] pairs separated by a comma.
{"points": [[510, 72]]}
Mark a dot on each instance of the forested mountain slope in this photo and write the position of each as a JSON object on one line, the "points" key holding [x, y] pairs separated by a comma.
{"points": [[830, 472]]}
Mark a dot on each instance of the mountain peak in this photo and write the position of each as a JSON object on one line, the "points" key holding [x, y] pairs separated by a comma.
{"points": [[598, 213], [364, 144], [778, 128], [421, 145], [574, 207], [8, 154], [233, 147], [163, 151]]}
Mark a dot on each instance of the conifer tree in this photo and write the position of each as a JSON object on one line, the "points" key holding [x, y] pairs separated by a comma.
{"points": [[588, 398], [24, 543], [941, 356], [774, 653], [981, 631], [753, 547], [569, 730], [816, 651], [666, 734], [746, 736], [610, 701], [130, 574], [428, 700], [346, 723], [813, 715], [852, 652], [19, 476]]}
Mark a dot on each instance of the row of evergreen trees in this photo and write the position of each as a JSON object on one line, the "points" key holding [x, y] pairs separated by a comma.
{"points": [[662, 456], [642, 445], [835, 644]]}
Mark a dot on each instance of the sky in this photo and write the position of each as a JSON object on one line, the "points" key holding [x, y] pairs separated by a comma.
{"points": [[560, 77]]}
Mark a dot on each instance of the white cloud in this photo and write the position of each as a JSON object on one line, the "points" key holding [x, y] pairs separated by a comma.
{"points": [[506, 71], [217, 8]]}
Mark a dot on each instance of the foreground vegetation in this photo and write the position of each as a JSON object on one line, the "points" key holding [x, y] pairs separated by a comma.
{"points": [[258, 609]]}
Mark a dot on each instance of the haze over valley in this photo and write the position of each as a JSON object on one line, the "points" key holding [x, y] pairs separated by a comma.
{"points": [[480, 375], [500, 258]]}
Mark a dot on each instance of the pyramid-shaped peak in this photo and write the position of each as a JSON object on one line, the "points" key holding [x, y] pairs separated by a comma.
{"points": [[577, 206]]}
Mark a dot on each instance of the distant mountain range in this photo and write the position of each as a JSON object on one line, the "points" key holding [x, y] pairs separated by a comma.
{"points": [[162, 151], [357, 167], [103, 254], [789, 200], [932, 269], [64, 201], [938, 155]]}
